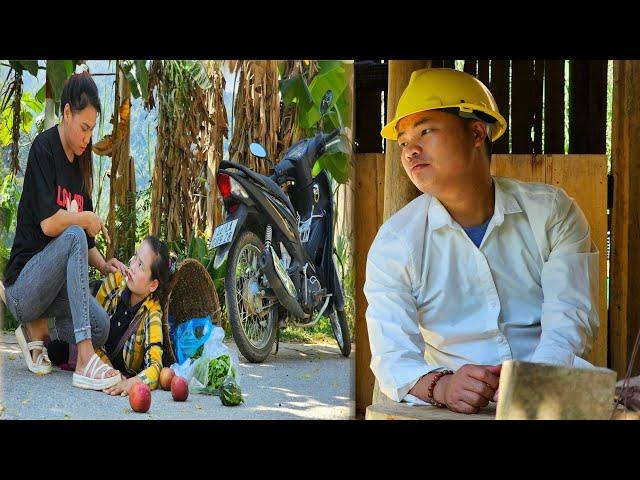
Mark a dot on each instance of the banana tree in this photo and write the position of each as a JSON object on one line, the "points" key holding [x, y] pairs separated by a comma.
{"points": [[307, 97], [12, 108]]}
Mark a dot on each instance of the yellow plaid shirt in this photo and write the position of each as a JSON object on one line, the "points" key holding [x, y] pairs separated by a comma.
{"points": [[142, 351]]}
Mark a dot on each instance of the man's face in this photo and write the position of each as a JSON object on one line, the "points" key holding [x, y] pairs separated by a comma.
{"points": [[438, 150]]}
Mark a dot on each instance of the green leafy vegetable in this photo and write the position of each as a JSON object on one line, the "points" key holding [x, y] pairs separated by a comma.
{"points": [[213, 373]]}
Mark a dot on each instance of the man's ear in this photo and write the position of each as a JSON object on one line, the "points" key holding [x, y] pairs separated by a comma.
{"points": [[154, 285], [480, 133]]}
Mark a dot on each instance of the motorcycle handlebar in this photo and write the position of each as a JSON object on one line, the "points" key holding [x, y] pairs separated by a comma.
{"points": [[326, 138]]}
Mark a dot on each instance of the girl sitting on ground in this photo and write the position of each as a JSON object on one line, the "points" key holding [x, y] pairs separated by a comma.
{"points": [[133, 303]]}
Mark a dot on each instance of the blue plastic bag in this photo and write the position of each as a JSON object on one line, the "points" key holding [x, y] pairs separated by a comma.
{"points": [[190, 336]]}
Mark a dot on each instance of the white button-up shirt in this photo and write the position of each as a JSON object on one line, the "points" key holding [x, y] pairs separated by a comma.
{"points": [[529, 292]]}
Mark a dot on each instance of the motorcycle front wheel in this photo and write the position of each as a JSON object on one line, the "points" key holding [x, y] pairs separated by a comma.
{"points": [[340, 328], [253, 317]]}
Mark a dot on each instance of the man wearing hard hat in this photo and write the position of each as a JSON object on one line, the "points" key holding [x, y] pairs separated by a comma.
{"points": [[478, 269]]}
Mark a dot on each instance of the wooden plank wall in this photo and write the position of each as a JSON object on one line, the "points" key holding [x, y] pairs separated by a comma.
{"points": [[587, 106], [554, 106], [583, 177], [537, 91]]}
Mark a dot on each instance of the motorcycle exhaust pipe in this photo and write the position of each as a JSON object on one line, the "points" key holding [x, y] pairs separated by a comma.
{"points": [[277, 284]]}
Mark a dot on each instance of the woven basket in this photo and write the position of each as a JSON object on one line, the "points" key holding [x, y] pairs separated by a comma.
{"points": [[191, 294]]}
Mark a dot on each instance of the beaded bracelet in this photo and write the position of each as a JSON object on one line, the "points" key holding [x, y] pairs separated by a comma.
{"points": [[432, 387]]}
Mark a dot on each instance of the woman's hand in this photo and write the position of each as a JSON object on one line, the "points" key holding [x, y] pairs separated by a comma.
{"points": [[92, 223], [114, 264], [122, 387]]}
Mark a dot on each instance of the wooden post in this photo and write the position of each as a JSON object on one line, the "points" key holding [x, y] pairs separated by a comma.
{"points": [[369, 208], [382, 188], [625, 231], [398, 189]]}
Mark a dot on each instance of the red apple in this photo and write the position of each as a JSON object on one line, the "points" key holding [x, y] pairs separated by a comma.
{"points": [[166, 375], [179, 388], [140, 397]]}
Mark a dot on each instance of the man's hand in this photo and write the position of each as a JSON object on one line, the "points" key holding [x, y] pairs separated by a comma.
{"points": [[469, 389], [112, 265]]}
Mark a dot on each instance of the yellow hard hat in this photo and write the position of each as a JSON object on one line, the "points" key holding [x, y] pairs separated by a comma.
{"points": [[444, 88]]}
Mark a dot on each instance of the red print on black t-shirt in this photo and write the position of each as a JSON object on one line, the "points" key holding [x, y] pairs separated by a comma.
{"points": [[66, 198]]}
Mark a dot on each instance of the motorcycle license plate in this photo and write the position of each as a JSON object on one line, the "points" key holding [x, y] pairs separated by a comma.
{"points": [[223, 234]]}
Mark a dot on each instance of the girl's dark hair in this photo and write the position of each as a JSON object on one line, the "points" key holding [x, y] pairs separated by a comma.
{"points": [[163, 266], [80, 91]]}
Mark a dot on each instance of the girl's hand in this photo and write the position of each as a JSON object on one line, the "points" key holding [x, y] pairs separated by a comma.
{"points": [[114, 264], [122, 387]]}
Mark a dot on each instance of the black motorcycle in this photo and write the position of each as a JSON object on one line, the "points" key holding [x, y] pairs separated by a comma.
{"points": [[277, 239]]}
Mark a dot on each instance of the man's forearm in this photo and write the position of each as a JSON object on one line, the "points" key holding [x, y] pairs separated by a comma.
{"points": [[96, 259], [61, 220]]}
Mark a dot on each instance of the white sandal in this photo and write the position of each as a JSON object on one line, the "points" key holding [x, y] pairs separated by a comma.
{"points": [[39, 367], [94, 375]]}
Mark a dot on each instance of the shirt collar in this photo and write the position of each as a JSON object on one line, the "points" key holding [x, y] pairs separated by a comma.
{"points": [[505, 203]]}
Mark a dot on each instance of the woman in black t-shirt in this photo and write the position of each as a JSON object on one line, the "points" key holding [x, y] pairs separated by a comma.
{"points": [[47, 274]]}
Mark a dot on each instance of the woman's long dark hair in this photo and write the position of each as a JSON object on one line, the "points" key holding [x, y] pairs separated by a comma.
{"points": [[79, 92], [162, 268]]}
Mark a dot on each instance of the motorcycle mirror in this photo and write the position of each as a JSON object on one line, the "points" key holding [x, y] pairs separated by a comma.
{"points": [[326, 102], [258, 150]]}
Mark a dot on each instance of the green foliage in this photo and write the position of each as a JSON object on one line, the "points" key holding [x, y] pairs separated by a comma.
{"points": [[137, 76], [295, 91], [336, 159], [143, 207], [30, 108], [10, 190], [125, 218], [30, 66], [57, 72], [9, 200]]}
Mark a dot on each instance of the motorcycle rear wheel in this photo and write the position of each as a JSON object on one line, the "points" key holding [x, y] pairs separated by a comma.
{"points": [[340, 328], [253, 320]]}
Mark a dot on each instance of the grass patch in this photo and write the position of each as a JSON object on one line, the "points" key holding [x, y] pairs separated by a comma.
{"points": [[321, 332]]}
